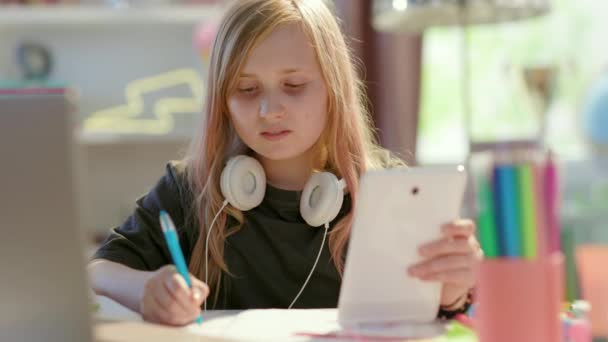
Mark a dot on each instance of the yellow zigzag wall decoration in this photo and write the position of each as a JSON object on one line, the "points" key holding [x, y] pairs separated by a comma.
{"points": [[126, 118]]}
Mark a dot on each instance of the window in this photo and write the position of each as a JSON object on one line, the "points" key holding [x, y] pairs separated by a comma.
{"points": [[572, 38]]}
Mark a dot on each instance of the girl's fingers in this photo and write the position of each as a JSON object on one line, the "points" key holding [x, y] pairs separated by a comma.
{"points": [[163, 296], [445, 246], [200, 290], [442, 264], [163, 313], [459, 228], [154, 311], [462, 277], [181, 294]]}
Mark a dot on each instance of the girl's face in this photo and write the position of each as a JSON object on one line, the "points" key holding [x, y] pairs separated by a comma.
{"points": [[279, 105]]}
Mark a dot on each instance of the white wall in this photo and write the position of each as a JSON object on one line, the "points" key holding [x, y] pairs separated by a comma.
{"points": [[114, 176], [99, 60]]}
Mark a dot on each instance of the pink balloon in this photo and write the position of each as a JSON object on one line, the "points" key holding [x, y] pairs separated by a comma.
{"points": [[204, 34]]}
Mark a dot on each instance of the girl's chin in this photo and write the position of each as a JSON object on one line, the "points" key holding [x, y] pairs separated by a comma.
{"points": [[279, 155]]}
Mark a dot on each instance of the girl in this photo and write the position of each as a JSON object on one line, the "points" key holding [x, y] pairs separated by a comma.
{"points": [[283, 90]]}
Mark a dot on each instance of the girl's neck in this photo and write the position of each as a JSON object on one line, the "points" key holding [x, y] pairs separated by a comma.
{"points": [[289, 174]]}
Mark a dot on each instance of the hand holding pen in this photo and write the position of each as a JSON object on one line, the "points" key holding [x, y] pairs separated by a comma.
{"points": [[172, 295]]}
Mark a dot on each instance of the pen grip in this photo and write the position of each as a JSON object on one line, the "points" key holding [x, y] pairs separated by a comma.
{"points": [[177, 255]]}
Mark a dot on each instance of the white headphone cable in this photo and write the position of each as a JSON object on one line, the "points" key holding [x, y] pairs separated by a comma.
{"points": [[207, 247], [305, 282], [313, 267]]}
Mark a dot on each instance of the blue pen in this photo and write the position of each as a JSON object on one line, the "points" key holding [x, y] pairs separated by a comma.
{"points": [[176, 252]]}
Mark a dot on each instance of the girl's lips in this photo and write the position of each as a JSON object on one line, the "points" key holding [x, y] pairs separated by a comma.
{"points": [[276, 135]]}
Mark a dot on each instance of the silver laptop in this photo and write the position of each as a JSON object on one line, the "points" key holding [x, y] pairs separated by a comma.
{"points": [[43, 284]]}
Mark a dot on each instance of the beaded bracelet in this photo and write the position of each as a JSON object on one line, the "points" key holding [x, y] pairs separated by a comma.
{"points": [[448, 312]]}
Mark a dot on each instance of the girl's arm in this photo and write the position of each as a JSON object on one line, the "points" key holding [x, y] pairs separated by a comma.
{"points": [[134, 252], [118, 282], [161, 296]]}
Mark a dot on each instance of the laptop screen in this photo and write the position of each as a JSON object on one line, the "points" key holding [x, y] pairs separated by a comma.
{"points": [[43, 287]]}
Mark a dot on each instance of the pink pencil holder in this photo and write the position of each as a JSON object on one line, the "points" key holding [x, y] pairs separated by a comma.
{"points": [[519, 300], [591, 264]]}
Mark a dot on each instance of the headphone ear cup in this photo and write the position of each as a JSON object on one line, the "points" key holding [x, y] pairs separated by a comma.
{"points": [[321, 199], [243, 182]]}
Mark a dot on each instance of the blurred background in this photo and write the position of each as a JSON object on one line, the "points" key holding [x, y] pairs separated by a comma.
{"points": [[437, 88]]}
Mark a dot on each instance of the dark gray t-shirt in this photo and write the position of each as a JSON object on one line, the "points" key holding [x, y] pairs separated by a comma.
{"points": [[269, 258]]}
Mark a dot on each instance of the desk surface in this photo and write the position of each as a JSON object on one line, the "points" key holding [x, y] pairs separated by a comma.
{"points": [[127, 331], [114, 322]]}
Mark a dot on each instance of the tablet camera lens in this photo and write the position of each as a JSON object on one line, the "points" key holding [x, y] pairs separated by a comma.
{"points": [[415, 191]]}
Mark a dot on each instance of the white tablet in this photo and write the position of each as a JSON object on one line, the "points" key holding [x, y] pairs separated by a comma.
{"points": [[397, 210]]}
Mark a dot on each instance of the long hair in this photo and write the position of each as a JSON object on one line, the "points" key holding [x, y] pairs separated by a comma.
{"points": [[348, 140]]}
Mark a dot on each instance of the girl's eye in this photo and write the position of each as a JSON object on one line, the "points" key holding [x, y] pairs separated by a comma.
{"points": [[294, 85], [248, 90]]}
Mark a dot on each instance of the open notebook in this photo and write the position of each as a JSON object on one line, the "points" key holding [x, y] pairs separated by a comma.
{"points": [[305, 325], [276, 325]]}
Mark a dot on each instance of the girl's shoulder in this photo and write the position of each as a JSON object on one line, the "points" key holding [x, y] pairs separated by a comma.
{"points": [[177, 169], [177, 181], [177, 173]]}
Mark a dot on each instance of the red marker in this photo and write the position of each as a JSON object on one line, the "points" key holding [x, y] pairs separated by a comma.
{"points": [[465, 320]]}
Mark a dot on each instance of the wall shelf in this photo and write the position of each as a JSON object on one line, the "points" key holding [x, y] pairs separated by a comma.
{"points": [[82, 15], [107, 139]]}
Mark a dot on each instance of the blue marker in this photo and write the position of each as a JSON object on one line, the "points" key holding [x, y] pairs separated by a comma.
{"points": [[175, 250], [471, 310]]}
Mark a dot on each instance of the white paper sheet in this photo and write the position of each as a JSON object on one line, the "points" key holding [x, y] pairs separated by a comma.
{"points": [[303, 325]]}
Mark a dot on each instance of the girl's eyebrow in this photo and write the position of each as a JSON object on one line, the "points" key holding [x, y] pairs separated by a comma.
{"points": [[290, 71], [283, 72]]}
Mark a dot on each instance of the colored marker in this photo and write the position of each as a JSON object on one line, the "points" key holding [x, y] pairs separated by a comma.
{"points": [[176, 252]]}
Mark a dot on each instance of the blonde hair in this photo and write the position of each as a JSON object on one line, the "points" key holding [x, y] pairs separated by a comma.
{"points": [[348, 139]]}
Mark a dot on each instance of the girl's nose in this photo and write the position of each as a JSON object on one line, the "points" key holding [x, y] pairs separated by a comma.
{"points": [[270, 108], [264, 107]]}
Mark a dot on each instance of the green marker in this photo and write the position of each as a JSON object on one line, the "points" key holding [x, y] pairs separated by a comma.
{"points": [[527, 216], [486, 219]]}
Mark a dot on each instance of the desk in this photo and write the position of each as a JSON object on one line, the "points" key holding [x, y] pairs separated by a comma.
{"points": [[110, 310], [133, 331], [117, 323]]}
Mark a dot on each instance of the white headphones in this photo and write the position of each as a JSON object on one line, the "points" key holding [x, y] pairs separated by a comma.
{"points": [[243, 185]]}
